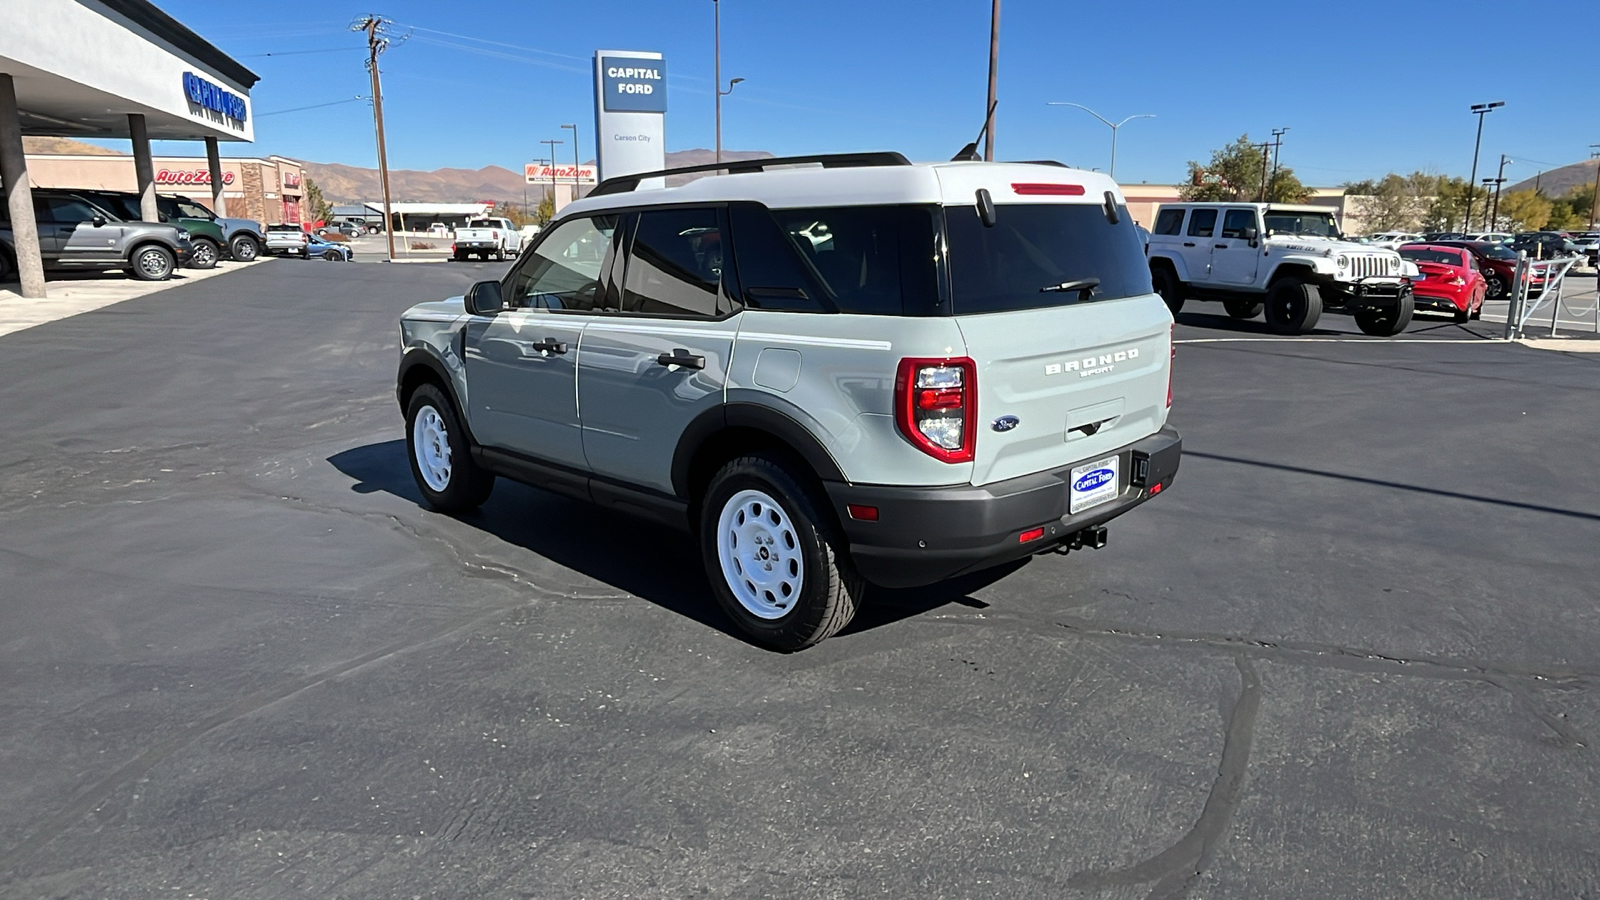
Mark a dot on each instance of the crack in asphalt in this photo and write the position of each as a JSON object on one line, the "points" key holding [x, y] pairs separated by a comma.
{"points": [[1176, 867]]}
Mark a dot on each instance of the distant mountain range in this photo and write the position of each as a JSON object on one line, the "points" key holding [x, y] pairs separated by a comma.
{"points": [[45, 146], [342, 184], [1559, 182]]}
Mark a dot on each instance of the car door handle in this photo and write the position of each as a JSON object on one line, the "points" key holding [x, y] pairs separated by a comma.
{"points": [[550, 345], [1188, 243], [681, 358], [1219, 246]]}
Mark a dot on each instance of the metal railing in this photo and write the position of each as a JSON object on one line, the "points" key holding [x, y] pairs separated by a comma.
{"points": [[1523, 307]]}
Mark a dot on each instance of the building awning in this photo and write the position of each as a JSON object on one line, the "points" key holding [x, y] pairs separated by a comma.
{"points": [[82, 66]]}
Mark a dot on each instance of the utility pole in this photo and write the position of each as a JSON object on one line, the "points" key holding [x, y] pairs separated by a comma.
{"points": [[1277, 141], [1594, 205], [1499, 179], [552, 145], [1480, 110], [1261, 196], [994, 79], [377, 42]]}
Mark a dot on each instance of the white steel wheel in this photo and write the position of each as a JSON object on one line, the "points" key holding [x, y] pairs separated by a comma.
{"points": [[153, 263], [430, 440], [760, 554]]}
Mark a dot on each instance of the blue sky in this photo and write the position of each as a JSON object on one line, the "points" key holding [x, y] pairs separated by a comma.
{"points": [[1365, 87]]}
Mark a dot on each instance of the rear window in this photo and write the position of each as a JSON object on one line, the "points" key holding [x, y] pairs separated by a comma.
{"points": [[1425, 254], [1038, 255]]}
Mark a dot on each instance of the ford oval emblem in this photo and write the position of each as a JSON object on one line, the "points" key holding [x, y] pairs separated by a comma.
{"points": [[1006, 423], [1093, 480]]}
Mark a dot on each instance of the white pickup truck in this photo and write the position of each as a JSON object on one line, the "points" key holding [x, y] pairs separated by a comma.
{"points": [[485, 237]]}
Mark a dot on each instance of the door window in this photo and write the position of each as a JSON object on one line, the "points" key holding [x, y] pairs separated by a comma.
{"points": [[564, 270], [69, 210], [1170, 221], [1202, 222], [675, 266], [1236, 221]]}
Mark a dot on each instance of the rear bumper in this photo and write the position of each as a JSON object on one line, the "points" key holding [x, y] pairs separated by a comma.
{"points": [[925, 535], [1437, 298]]}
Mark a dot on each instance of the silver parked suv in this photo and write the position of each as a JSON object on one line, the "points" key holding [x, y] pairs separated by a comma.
{"points": [[871, 371]]}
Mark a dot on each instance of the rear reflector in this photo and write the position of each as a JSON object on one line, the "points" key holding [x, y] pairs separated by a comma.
{"points": [[863, 513], [1032, 534], [1155, 489], [1048, 190]]}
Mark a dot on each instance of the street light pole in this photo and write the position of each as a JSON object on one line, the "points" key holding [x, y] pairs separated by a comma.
{"points": [[1594, 205], [1486, 182], [1112, 125], [1480, 110], [552, 144], [994, 79], [720, 94], [575, 162]]}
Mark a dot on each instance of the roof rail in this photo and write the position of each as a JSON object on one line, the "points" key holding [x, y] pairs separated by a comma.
{"points": [[623, 183]]}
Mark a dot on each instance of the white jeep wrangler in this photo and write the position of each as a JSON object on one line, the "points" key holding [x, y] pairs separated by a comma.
{"points": [[1289, 259]]}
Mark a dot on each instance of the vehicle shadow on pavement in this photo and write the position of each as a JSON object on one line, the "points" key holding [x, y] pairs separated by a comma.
{"points": [[653, 562], [1224, 322]]}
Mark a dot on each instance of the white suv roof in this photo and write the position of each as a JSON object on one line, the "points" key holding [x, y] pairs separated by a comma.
{"points": [[944, 183]]}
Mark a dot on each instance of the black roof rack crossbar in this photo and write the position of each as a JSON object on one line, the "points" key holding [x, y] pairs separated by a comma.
{"points": [[623, 183]]}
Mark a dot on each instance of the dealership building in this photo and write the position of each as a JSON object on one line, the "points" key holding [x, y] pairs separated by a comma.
{"points": [[112, 69]]}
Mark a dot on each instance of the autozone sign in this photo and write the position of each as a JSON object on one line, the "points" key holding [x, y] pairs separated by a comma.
{"points": [[537, 172], [189, 176]]}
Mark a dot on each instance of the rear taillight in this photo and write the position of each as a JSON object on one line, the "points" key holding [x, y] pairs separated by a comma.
{"points": [[936, 406]]}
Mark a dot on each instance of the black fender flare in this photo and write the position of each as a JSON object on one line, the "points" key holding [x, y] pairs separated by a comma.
{"points": [[773, 415]]}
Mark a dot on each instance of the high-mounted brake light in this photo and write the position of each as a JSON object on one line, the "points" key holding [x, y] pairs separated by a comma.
{"points": [[1048, 190], [1171, 359], [936, 406]]}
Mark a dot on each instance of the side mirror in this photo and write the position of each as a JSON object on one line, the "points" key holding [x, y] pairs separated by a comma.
{"points": [[1252, 234], [98, 221], [483, 299]]}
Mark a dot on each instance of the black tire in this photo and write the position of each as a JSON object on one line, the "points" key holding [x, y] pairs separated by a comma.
{"points": [[464, 487], [1293, 307], [1242, 307], [151, 262], [1463, 316], [1387, 322], [499, 254], [332, 255], [1168, 286], [829, 591], [206, 254], [244, 248], [460, 256], [1495, 287]]}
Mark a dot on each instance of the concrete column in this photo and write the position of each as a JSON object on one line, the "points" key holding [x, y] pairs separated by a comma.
{"points": [[19, 194], [219, 206], [143, 168]]}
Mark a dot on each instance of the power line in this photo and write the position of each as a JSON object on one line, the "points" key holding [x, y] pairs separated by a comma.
{"points": [[279, 112], [301, 52]]}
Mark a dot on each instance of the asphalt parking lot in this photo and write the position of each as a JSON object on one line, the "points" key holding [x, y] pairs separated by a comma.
{"points": [[1352, 653]]}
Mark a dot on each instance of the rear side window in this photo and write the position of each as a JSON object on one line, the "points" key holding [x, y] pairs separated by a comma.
{"points": [[675, 266], [1038, 255], [1202, 222], [1169, 221], [1235, 221], [866, 260]]}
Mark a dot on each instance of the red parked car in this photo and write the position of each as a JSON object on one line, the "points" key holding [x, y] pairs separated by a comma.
{"points": [[1450, 279], [1498, 265]]}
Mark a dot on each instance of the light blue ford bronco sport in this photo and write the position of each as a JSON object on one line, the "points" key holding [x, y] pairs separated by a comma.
{"points": [[861, 371]]}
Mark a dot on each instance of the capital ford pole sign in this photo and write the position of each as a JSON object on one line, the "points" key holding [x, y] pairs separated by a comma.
{"points": [[630, 94]]}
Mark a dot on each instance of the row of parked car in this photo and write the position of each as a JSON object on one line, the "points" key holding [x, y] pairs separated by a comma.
{"points": [[1537, 244], [91, 229]]}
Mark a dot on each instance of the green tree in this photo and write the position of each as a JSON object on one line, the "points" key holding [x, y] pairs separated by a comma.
{"points": [[513, 212], [1525, 210], [545, 212], [1393, 203], [1447, 205], [1237, 172], [319, 207]]}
